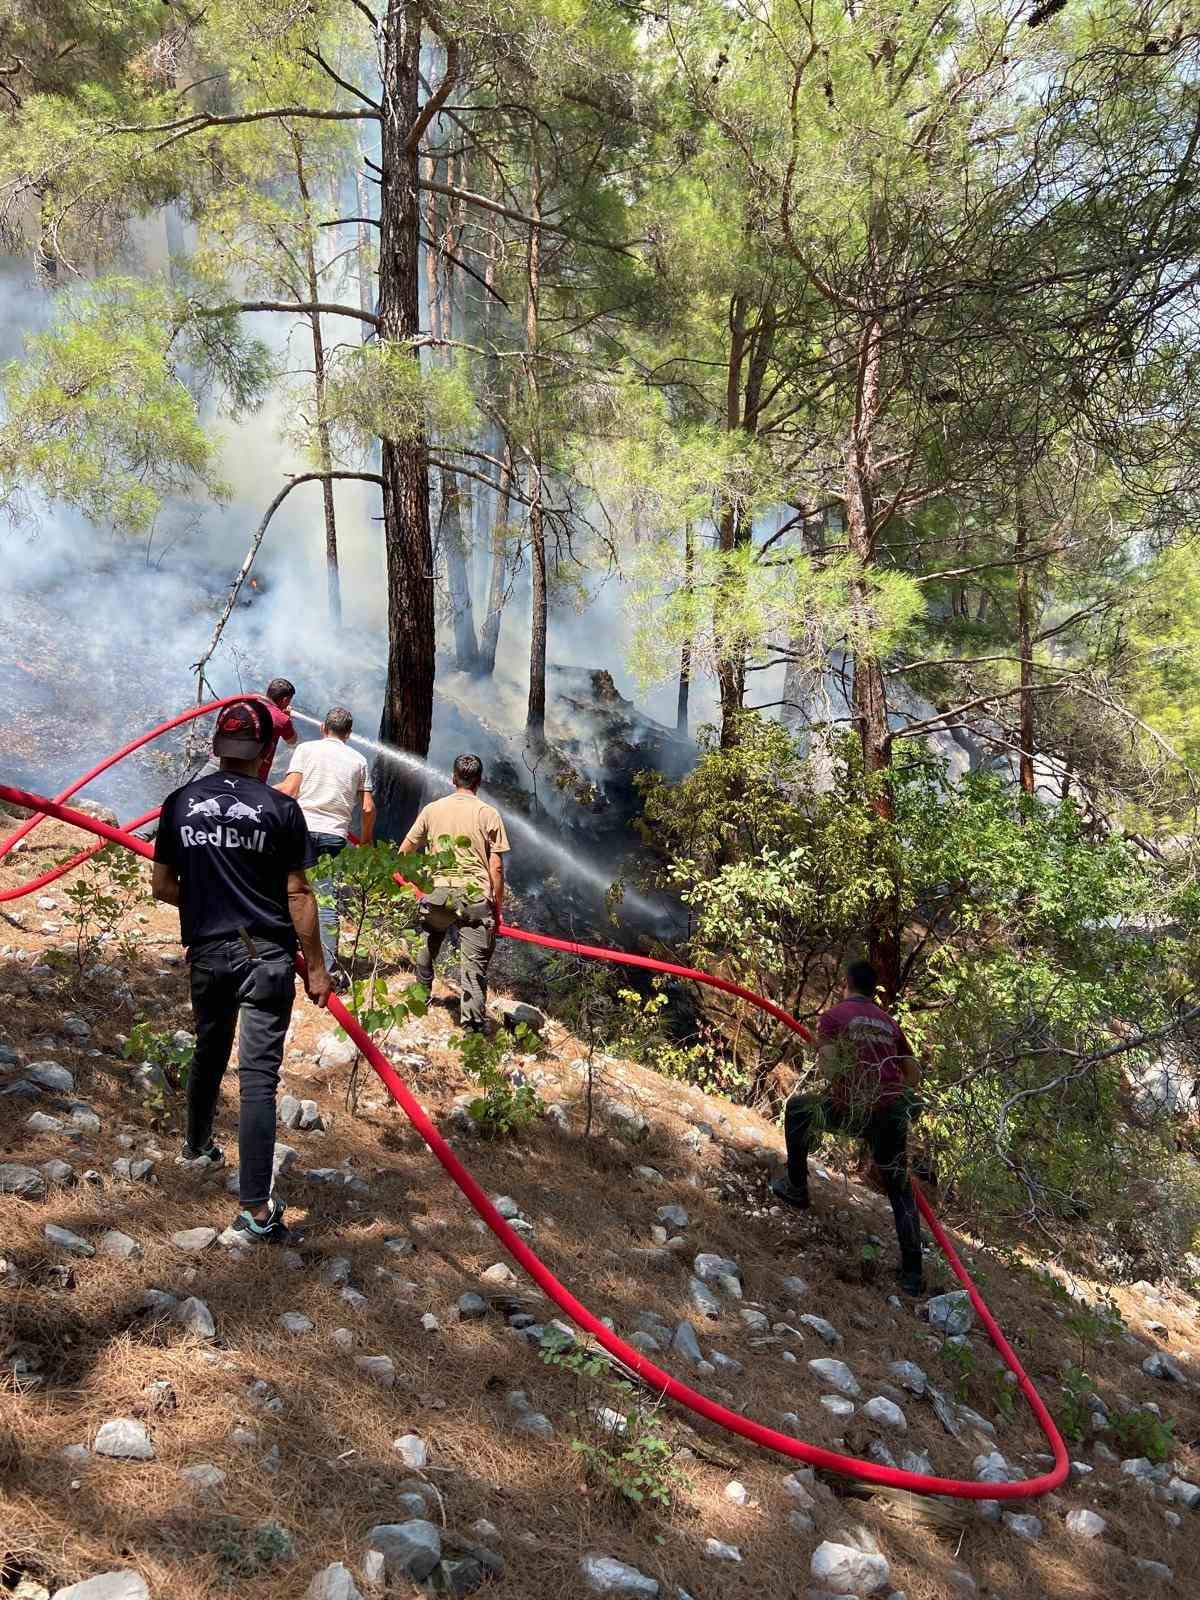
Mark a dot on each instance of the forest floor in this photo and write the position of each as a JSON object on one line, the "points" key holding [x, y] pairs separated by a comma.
{"points": [[300, 1436]]}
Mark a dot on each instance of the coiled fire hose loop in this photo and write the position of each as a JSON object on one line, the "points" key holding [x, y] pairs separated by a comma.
{"points": [[662, 1383]]}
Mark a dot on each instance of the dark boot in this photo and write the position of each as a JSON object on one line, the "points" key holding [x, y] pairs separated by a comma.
{"points": [[791, 1194]]}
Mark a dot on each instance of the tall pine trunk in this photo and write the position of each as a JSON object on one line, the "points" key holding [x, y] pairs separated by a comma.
{"points": [[333, 580], [407, 717], [869, 693], [489, 635], [535, 719], [750, 351], [1024, 639], [806, 699], [452, 544], [685, 655], [364, 266], [731, 532], [458, 580]]}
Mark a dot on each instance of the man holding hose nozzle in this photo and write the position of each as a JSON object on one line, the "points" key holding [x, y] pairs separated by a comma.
{"points": [[231, 853], [873, 1077]]}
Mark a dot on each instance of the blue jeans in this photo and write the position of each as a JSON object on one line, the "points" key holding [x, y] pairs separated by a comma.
{"points": [[329, 916]]}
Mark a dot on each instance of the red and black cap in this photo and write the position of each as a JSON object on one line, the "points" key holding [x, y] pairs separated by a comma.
{"points": [[243, 730]]}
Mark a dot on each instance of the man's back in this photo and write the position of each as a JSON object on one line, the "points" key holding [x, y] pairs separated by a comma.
{"points": [[462, 815], [233, 841], [333, 778], [877, 1045]]}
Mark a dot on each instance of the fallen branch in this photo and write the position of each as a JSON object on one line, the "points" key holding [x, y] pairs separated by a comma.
{"points": [[255, 543]]}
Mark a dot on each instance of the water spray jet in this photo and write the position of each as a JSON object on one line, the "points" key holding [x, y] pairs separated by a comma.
{"points": [[513, 820]]}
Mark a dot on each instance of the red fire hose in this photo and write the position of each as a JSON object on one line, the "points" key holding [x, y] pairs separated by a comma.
{"points": [[653, 1376]]}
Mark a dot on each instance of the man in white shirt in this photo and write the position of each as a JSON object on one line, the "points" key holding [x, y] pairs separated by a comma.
{"points": [[330, 781]]}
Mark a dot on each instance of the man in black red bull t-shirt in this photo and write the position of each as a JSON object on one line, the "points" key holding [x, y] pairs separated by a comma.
{"points": [[231, 853], [872, 1075]]}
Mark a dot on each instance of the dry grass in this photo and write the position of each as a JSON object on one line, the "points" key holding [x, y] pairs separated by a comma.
{"points": [[338, 1473]]}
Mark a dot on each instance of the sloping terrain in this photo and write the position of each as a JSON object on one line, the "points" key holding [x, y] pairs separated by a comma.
{"points": [[277, 1444]]}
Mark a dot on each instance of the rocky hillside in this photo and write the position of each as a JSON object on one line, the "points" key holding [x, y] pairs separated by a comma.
{"points": [[372, 1413]]}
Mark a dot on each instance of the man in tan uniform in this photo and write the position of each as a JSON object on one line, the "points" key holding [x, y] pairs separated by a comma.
{"points": [[472, 896]]}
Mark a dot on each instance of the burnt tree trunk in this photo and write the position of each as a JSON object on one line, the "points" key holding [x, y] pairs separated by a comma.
{"points": [[535, 718], [731, 532], [407, 717], [333, 579], [685, 655]]}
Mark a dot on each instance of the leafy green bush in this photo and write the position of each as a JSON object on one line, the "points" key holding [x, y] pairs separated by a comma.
{"points": [[1019, 931]]}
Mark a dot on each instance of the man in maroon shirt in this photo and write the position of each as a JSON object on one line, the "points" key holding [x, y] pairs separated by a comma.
{"points": [[872, 1074], [280, 692]]}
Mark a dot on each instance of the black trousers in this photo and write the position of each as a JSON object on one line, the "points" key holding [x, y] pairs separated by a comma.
{"points": [[220, 970], [884, 1130]]}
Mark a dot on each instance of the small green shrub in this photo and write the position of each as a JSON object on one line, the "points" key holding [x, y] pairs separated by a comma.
{"points": [[869, 1257], [961, 1365], [158, 1047], [1073, 1408], [1142, 1433], [621, 1444], [506, 1105], [101, 898], [247, 1552], [1004, 1399]]}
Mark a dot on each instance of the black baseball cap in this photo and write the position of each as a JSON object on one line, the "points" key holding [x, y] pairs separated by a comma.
{"points": [[241, 732]]}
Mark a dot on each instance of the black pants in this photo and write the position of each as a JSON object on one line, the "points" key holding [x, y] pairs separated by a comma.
{"points": [[884, 1130], [219, 969]]}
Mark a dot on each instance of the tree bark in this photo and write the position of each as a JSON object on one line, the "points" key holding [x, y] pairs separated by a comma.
{"points": [[45, 256], [535, 719], [364, 269], [869, 693], [458, 581], [407, 717], [805, 692], [490, 636], [750, 352], [685, 655], [333, 581], [731, 665], [439, 282], [1024, 641]]}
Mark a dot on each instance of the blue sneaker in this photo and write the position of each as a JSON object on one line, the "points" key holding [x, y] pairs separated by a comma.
{"points": [[271, 1230]]}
